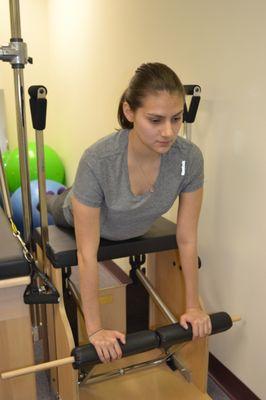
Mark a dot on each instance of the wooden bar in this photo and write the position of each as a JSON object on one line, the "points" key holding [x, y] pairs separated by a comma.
{"points": [[13, 282]]}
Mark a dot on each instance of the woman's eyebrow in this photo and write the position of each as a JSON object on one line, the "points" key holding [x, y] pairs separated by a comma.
{"points": [[162, 116], [179, 113]]}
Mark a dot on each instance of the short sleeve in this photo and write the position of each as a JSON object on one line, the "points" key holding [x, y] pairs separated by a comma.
{"points": [[195, 171], [86, 187]]}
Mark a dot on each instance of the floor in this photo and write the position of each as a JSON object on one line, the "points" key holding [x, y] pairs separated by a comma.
{"points": [[44, 392], [215, 392]]}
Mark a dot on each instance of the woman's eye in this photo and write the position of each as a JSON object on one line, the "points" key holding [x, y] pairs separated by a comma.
{"points": [[155, 121], [177, 119]]}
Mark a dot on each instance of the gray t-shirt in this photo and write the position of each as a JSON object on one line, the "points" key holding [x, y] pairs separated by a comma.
{"points": [[102, 181]]}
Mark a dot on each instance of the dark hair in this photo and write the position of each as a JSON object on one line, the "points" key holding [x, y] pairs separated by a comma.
{"points": [[148, 79]]}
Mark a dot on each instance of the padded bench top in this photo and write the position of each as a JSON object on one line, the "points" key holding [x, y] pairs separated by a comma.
{"points": [[62, 249], [12, 261]]}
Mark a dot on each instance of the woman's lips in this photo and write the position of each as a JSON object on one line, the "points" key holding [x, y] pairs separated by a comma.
{"points": [[164, 143]]}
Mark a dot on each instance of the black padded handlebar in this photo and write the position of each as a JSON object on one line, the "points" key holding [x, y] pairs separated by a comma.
{"points": [[174, 333], [139, 342], [136, 342]]}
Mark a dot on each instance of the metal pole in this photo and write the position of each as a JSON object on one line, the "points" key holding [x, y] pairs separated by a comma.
{"points": [[18, 66], [155, 297], [187, 131], [23, 153], [42, 191], [15, 19], [39, 97]]}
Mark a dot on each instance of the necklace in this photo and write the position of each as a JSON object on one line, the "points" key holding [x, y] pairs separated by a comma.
{"points": [[148, 183]]}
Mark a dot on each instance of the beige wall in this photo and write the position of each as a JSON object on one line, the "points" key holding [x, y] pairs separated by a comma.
{"points": [[91, 48]]}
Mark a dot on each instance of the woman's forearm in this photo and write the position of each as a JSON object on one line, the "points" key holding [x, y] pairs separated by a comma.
{"points": [[88, 271], [189, 262]]}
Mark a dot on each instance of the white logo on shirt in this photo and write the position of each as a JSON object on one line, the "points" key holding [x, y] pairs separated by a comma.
{"points": [[183, 168]]}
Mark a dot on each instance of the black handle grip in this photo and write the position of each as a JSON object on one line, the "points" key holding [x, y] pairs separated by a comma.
{"points": [[190, 113], [175, 333], [39, 298], [38, 106], [137, 342]]}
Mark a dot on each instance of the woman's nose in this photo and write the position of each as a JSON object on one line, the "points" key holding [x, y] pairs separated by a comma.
{"points": [[167, 130]]}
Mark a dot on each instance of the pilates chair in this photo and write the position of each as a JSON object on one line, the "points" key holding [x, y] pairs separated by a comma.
{"points": [[181, 364]]}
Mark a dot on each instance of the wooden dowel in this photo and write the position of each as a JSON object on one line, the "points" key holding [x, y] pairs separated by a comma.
{"points": [[6, 283], [36, 368], [235, 318]]}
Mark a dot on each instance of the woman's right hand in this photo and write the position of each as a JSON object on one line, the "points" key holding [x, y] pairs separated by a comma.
{"points": [[107, 345]]}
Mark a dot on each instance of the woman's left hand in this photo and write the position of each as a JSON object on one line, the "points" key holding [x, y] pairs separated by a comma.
{"points": [[199, 320]]}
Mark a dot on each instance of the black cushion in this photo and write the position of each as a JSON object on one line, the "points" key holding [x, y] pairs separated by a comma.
{"points": [[12, 261], [137, 342], [62, 250]]}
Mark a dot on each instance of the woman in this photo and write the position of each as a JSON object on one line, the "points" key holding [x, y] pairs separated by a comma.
{"points": [[128, 179]]}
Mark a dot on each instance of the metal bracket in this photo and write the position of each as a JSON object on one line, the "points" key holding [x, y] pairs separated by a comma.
{"points": [[136, 262], [175, 364], [16, 53], [87, 378]]}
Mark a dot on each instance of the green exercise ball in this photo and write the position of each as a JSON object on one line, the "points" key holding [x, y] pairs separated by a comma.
{"points": [[54, 168], [5, 157]]}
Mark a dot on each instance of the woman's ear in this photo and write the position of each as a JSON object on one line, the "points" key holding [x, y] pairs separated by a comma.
{"points": [[129, 114]]}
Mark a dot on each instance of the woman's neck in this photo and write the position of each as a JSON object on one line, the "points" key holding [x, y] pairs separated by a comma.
{"points": [[141, 152]]}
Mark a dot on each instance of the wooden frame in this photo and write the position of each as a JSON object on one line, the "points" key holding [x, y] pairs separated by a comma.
{"points": [[164, 272]]}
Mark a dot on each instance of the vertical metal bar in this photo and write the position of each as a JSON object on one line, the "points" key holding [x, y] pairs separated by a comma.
{"points": [[155, 297], [187, 131], [23, 153], [21, 124], [22, 137], [15, 19], [42, 315], [42, 191]]}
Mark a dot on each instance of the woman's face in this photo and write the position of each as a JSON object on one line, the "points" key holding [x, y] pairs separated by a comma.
{"points": [[158, 121]]}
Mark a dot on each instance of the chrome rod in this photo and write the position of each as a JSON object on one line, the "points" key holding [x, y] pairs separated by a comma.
{"points": [[23, 153], [122, 371], [15, 19], [187, 131], [37, 97], [155, 297], [16, 54], [42, 190]]}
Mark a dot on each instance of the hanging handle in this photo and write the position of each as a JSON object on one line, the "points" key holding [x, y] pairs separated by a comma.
{"points": [[38, 106], [191, 111]]}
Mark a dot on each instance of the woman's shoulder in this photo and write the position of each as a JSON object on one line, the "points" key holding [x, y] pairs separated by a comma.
{"points": [[109, 146], [185, 147]]}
